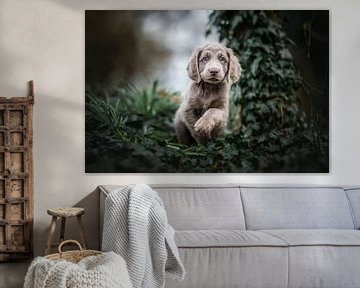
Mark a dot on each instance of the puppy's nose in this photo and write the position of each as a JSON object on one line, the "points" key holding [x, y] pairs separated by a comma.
{"points": [[214, 71]]}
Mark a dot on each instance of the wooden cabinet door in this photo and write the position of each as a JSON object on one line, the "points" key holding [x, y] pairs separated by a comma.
{"points": [[16, 178]]}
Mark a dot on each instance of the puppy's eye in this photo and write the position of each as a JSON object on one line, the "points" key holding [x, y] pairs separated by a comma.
{"points": [[205, 59], [222, 59]]}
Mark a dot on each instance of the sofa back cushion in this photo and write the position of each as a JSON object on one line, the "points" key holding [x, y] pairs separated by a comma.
{"points": [[203, 208], [354, 198], [296, 208]]}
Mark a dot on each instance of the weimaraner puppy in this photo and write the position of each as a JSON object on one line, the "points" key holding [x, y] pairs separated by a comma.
{"points": [[203, 113]]}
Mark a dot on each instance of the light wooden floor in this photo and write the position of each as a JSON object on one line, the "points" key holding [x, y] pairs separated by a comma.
{"points": [[12, 274]]}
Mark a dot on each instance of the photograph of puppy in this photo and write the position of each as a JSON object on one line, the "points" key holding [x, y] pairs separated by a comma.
{"points": [[207, 91], [203, 113]]}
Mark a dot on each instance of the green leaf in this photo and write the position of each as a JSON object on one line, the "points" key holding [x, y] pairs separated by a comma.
{"points": [[255, 65]]}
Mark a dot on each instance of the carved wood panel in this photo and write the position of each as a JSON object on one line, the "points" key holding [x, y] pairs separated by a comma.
{"points": [[16, 177]]}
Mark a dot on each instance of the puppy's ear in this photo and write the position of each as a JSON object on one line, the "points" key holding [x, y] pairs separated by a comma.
{"points": [[193, 66], [234, 71]]}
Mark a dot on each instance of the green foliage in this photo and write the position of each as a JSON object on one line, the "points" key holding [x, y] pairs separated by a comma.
{"points": [[122, 137], [266, 90], [132, 131]]}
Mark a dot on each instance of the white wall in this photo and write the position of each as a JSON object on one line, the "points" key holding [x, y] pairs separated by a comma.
{"points": [[43, 40]]}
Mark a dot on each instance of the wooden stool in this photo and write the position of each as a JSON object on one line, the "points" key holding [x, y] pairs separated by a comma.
{"points": [[64, 213]]}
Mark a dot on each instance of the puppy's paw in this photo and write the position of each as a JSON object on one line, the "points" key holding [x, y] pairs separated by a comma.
{"points": [[204, 126]]}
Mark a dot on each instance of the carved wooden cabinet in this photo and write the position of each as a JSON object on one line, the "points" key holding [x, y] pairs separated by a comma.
{"points": [[16, 177]]}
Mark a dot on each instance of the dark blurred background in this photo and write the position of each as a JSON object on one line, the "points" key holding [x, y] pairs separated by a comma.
{"points": [[141, 46], [309, 29]]}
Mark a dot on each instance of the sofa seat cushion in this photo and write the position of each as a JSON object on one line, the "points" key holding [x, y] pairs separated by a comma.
{"points": [[323, 258], [226, 238], [317, 237]]}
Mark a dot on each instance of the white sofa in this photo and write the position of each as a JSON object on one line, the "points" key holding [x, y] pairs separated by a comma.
{"points": [[263, 237]]}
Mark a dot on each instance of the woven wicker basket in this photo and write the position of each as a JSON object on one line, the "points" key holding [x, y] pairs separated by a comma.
{"points": [[72, 256]]}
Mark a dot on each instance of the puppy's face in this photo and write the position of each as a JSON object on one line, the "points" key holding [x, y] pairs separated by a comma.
{"points": [[213, 65]]}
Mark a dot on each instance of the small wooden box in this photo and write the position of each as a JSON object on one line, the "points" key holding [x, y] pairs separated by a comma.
{"points": [[16, 177]]}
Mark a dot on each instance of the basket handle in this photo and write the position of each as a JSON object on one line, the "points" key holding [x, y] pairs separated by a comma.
{"points": [[69, 241]]}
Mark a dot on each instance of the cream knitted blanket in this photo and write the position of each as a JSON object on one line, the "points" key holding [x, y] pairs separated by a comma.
{"points": [[103, 271], [136, 227]]}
